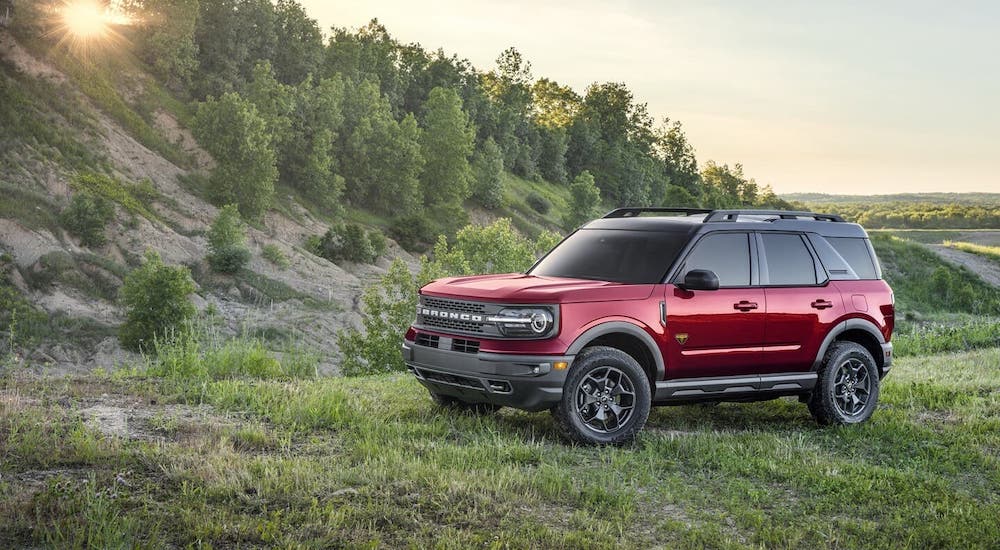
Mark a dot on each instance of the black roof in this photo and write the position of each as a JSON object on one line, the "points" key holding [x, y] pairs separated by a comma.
{"points": [[702, 221]]}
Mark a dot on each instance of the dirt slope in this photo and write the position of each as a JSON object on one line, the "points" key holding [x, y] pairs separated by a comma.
{"points": [[310, 300], [988, 270]]}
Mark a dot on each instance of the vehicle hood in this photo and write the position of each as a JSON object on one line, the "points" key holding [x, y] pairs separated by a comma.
{"points": [[518, 288]]}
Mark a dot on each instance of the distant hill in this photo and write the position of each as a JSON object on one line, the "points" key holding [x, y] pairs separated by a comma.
{"points": [[979, 199]]}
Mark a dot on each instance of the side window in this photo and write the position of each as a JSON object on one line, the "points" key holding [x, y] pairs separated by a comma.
{"points": [[837, 268], [855, 251], [727, 254], [788, 261]]}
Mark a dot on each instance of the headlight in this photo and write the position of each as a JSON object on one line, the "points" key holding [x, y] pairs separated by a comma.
{"points": [[524, 322]]}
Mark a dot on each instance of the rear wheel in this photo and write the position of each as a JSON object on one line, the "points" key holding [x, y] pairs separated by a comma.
{"points": [[449, 402], [606, 398], [847, 388]]}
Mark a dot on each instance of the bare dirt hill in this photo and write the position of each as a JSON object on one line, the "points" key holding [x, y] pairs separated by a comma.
{"points": [[310, 300]]}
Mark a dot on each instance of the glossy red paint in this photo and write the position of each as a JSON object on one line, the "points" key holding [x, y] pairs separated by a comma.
{"points": [[725, 332]]}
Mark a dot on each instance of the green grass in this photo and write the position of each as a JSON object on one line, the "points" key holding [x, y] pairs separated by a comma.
{"points": [[371, 462], [525, 218]]}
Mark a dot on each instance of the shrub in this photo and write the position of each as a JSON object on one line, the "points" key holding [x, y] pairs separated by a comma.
{"points": [[86, 217], [156, 303], [348, 241], [412, 232], [538, 203], [227, 250], [273, 254]]}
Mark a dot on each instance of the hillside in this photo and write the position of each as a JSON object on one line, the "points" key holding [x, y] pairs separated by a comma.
{"points": [[57, 125]]}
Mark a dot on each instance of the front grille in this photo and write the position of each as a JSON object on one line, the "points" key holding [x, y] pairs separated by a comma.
{"points": [[427, 340], [452, 324], [454, 305], [465, 346]]}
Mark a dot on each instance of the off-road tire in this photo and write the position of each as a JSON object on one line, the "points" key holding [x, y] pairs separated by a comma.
{"points": [[826, 402], [455, 404], [592, 360]]}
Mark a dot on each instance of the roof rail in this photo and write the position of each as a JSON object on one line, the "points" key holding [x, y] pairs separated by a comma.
{"points": [[632, 211], [734, 215]]}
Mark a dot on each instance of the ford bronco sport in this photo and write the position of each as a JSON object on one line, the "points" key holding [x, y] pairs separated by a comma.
{"points": [[661, 306]]}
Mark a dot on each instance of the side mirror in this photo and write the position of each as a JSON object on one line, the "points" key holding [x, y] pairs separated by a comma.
{"points": [[700, 279]]}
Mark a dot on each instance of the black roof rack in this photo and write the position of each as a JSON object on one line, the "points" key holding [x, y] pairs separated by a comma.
{"points": [[734, 215], [632, 211]]}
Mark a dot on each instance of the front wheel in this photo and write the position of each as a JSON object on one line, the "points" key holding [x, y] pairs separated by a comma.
{"points": [[606, 398], [847, 388]]}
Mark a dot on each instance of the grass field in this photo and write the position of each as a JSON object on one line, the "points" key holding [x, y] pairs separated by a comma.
{"points": [[291, 460]]}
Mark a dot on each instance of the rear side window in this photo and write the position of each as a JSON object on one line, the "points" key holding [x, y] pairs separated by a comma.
{"points": [[857, 254], [726, 254], [787, 260]]}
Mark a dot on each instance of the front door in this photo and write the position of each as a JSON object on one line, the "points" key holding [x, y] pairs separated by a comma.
{"points": [[716, 332]]}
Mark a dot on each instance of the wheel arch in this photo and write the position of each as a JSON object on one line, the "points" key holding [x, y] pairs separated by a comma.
{"points": [[859, 331], [629, 338]]}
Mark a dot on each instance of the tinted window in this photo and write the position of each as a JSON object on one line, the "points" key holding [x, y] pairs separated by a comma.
{"points": [[727, 254], [617, 255], [836, 266], [788, 260], [855, 251]]}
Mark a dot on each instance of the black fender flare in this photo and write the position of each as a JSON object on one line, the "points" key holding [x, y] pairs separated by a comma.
{"points": [[631, 329], [842, 327]]}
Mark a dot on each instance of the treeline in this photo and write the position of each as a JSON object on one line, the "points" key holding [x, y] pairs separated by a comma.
{"points": [[910, 215], [409, 133]]}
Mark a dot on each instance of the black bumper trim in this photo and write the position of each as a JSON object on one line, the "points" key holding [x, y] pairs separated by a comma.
{"points": [[525, 382]]}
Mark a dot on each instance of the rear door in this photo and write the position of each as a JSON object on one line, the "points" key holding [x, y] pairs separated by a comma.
{"points": [[802, 306], [716, 332]]}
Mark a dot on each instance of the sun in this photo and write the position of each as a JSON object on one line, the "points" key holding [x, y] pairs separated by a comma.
{"points": [[85, 19], [85, 25]]}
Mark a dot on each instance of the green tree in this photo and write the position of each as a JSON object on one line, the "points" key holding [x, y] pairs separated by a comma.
{"points": [[585, 198], [487, 165], [381, 159], [553, 144], [307, 161], [157, 304], [227, 241], [231, 129], [446, 144], [386, 312], [679, 196], [87, 216], [166, 37]]}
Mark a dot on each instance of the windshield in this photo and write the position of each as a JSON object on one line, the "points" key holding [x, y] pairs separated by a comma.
{"points": [[616, 255]]}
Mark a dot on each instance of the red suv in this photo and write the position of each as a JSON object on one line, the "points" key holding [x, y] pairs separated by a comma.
{"points": [[662, 306]]}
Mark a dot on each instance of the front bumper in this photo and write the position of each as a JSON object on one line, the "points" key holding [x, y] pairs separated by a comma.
{"points": [[527, 382]]}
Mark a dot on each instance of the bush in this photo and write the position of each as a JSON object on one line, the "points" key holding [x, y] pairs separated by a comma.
{"points": [[538, 203], [156, 303], [86, 217], [348, 241], [273, 254], [227, 250], [412, 232]]}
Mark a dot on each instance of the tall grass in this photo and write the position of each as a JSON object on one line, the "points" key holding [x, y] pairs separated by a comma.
{"points": [[204, 352]]}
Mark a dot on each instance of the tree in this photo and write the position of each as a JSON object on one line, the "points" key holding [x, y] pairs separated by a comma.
{"points": [[166, 37], [227, 248], [552, 149], [584, 200], [487, 165], [555, 105], [446, 144], [156, 303], [231, 129], [381, 158], [679, 196], [307, 161], [678, 156], [298, 50], [86, 217]]}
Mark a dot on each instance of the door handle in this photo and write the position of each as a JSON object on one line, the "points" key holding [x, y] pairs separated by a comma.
{"points": [[744, 305], [822, 304]]}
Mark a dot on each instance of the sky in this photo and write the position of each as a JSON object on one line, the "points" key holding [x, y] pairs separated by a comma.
{"points": [[837, 97]]}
